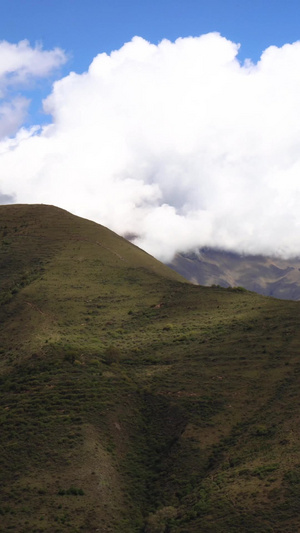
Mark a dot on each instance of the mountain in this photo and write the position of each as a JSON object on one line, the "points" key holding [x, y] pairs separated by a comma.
{"points": [[271, 276], [134, 401]]}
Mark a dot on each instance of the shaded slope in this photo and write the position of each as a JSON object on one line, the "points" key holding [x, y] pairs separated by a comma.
{"points": [[132, 401], [269, 276]]}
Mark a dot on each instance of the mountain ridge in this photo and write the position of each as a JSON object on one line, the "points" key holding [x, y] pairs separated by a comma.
{"points": [[269, 276]]}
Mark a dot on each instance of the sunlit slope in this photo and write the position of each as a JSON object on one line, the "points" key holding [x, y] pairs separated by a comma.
{"points": [[34, 234], [54, 265], [132, 401]]}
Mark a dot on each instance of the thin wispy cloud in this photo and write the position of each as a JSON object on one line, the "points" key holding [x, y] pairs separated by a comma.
{"points": [[21, 64], [178, 144]]}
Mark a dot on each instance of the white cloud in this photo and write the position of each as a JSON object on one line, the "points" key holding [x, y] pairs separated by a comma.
{"points": [[20, 62], [19, 65], [178, 143]]}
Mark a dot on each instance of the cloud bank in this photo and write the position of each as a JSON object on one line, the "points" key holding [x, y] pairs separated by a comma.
{"points": [[178, 144]]}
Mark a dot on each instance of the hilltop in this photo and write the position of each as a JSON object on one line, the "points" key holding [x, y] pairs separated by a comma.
{"points": [[132, 400]]}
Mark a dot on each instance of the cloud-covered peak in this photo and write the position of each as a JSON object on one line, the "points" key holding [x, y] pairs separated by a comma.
{"points": [[178, 143]]}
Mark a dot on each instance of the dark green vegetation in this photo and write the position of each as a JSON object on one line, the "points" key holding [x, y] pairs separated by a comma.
{"points": [[133, 401]]}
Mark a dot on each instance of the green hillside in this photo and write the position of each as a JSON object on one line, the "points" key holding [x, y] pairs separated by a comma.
{"points": [[133, 401]]}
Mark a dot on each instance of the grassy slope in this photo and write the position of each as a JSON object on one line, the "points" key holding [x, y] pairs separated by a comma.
{"points": [[131, 400]]}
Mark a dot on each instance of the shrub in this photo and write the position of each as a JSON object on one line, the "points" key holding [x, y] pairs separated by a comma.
{"points": [[112, 355], [168, 327], [159, 521], [72, 491]]}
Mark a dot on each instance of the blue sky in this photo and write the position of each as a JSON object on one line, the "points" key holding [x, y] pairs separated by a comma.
{"points": [[182, 143], [85, 28]]}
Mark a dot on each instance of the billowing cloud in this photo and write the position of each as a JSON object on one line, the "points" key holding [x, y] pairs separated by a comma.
{"points": [[20, 64], [179, 144]]}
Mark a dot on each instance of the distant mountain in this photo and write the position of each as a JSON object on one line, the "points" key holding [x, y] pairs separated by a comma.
{"points": [[270, 276], [132, 401]]}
